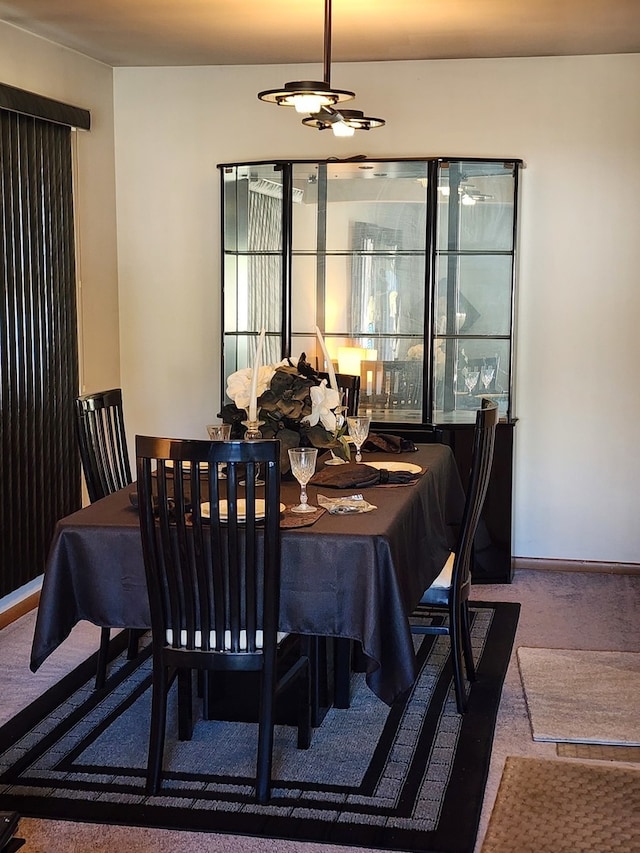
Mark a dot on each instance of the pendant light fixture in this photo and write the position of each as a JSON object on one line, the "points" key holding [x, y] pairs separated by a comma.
{"points": [[317, 98], [342, 122]]}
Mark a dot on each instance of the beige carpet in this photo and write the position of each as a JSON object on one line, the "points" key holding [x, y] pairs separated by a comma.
{"points": [[546, 806], [582, 696]]}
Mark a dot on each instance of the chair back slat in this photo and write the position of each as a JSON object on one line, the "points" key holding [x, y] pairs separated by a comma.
{"points": [[481, 462], [102, 441], [213, 576]]}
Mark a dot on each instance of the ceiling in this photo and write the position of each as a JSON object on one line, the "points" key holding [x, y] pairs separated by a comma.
{"points": [[257, 32]]}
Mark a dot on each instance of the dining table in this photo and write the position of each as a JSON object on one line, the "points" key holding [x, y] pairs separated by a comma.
{"points": [[357, 575]]}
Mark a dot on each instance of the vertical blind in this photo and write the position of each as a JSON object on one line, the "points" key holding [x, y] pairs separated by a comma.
{"points": [[39, 467]]}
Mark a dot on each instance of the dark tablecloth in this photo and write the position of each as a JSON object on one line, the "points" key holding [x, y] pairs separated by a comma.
{"points": [[354, 576]]}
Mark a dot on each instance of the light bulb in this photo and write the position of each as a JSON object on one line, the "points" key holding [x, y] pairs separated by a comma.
{"points": [[341, 129], [308, 103]]}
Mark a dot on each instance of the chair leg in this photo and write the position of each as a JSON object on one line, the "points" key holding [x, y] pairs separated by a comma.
{"points": [[185, 705], [157, 728], [132, 645], [304, 696], [466, 643], [103, 655], [455, 635], [342, 672], [265, 733]]}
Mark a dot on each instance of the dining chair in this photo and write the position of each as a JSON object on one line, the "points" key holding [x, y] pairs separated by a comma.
{"points": [[105, 462], [212, 561], [349, 386], [450, 590]]}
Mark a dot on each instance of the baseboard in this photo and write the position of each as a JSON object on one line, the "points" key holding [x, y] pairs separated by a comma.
{"points": [[19, 609], [543, 564]]}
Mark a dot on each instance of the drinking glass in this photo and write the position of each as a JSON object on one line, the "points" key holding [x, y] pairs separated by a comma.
{"points": [[486, 375], [219, 432], [359, 430], [471, 380], [303, 465]]}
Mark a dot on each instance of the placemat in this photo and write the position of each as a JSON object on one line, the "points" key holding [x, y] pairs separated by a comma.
{"points": [[297, 519]]}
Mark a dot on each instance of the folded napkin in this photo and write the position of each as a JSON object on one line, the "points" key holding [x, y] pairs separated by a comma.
{"points": [[359, 476], [388, 443], [345, 506]]}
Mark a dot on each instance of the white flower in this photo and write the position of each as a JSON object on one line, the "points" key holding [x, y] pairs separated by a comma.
{"points": [[239, 384], [323, 400]]}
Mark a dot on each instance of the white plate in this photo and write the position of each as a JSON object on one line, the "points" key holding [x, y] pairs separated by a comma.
{"points": [[260, 509], [395, 466]]}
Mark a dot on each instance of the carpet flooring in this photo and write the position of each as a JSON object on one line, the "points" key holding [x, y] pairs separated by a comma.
{"points": [[406, 778], [548, 806], [582, 696]]}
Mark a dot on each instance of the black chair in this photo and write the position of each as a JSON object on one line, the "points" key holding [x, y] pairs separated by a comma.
{"points": [[103, 443], [105, 462], [349, 386], [450, 590], [212, 562]]}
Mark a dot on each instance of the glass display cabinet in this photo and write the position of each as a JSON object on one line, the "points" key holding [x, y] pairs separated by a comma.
{"points": [[408, 269]]}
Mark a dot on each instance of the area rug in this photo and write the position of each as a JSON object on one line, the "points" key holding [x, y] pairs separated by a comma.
{"points": [[552, 806], [409, 777], [582, 696]]}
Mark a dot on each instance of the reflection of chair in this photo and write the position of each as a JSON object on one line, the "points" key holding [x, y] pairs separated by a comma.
{"points": [[105, 462], [350, 388], [213, 576], [450, 590]]}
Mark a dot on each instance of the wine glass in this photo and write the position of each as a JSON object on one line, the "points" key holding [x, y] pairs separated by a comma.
{"points": [[471, 380], [219, 432], [486, 375], [303, 465], [359, 430]]}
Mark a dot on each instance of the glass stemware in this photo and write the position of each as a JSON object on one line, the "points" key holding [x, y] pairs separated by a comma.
{"points": [[219, 432], [486, 375], [303, 465], [359, 430], [471, 380]]}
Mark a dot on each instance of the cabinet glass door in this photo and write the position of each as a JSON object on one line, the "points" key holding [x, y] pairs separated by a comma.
{"points": [[473, 288], [252, 263], [359, 273]]}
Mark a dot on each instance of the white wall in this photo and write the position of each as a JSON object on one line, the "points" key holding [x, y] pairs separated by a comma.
{"points": [[574, 121], [44, 68]]}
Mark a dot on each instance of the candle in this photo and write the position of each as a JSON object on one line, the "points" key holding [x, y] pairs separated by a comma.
{"points": [[333, 382], [253, 393], [369, 383]]}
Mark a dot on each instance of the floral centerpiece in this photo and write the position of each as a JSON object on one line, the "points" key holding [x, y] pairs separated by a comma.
{"points": [[294, 405]]}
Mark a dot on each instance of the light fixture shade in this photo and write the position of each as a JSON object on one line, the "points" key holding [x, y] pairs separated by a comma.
{"points": [[354, 119], [350, 358], [299, 93], [317, 98]]}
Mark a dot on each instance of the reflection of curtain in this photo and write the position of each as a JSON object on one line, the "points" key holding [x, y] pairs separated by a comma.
{"points": [[375, 297], [265, 296]]}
